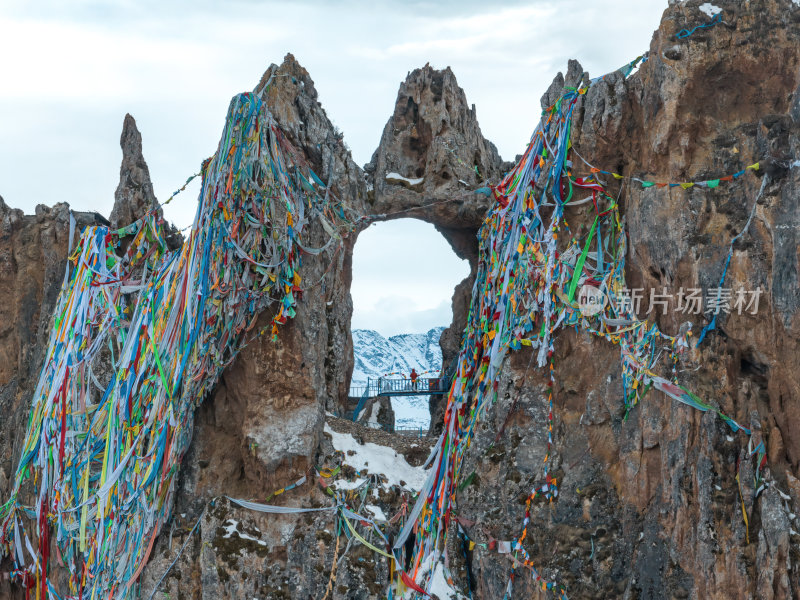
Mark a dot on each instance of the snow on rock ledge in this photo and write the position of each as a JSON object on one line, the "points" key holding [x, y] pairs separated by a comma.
{"points": [[397, 178], [710, 9], [380, 460]]}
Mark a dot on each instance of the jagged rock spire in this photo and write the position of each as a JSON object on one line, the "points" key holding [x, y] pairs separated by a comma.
{"points": [[433, 135], [134, 195], [292, 98]]}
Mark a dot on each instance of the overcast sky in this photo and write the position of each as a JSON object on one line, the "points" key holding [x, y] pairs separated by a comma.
{"points": [[70, 70], [403, 287]]}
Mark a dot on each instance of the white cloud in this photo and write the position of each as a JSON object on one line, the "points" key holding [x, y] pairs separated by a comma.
{"points": [[393, 315], [404, 273], [76, 61]]}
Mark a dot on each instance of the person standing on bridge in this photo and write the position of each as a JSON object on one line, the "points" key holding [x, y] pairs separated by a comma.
{"points": [[414, 376]]}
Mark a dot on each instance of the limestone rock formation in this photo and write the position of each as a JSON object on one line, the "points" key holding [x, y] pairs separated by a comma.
{"points": [[433, 163], [284, 388], [262, 428]]}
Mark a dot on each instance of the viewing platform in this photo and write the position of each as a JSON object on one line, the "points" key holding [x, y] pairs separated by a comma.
{"points": [[390, 386], [400, 387]]}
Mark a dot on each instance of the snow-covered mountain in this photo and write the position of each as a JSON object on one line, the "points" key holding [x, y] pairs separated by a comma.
{"points": [[376, 356]]}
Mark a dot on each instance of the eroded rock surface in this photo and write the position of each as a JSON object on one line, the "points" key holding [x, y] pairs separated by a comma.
{"points": [[649, 505], [433, 163], [134, 195], [262, 428], [432, 158]]}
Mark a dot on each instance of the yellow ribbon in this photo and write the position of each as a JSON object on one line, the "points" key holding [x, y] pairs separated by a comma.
{"points": [[365, 542]]}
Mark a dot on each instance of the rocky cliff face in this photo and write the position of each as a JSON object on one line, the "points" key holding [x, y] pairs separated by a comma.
{"points": [[271, 402], [650, 505], [262, 428], [431, 156]]}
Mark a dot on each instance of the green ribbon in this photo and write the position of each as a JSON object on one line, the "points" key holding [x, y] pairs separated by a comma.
{"points": [[579, 265]]}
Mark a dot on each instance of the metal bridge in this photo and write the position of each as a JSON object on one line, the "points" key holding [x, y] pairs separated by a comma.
{"points": [[401, 387], [398, 387]]}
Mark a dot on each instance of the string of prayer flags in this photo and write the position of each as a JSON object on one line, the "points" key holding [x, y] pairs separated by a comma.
{"points": [[684, 33], [708, 183]]}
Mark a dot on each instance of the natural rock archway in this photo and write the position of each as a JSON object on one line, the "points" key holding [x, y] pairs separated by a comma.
{"points": [[434, 142], [404, 275]]}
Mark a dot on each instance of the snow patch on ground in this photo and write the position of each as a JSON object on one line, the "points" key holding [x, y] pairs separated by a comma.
{"points": [[398, 177], [230, 528], [377, 459], [372, 421], [440, 587], [342, 484], [711, 10]]}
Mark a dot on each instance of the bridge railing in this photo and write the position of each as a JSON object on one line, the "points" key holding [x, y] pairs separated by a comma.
{"points": [[411, 431], [389, 386], [356, 391], [421, 385]]}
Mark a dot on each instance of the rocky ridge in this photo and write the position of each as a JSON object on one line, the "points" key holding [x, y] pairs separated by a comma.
{"points": [[649, 505]]}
